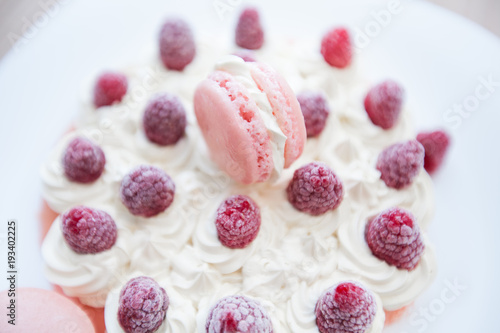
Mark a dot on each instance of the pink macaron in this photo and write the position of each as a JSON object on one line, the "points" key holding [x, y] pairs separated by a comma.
{"points": [[250, 119], [39, 310]]}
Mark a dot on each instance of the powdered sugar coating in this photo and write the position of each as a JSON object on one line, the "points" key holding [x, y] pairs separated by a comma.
{"points": [[394, 236], [315, 189], [249, 32], [87, 230], [110, 88], [83, 161], [238, 314], [383, 103], [400, 163], [315, 110], [164, 120], [436, 145], [345, 308], [147, 191], [143, 305], [237, 221], [336, 47], [177, 47]]}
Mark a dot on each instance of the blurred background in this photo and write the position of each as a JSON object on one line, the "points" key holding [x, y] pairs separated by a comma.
{"points": [[14, 16]]}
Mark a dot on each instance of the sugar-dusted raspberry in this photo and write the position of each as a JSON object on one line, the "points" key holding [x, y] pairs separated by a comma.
{"points": [[110, 88], [83, 161], [249, 32], [336, 48], [436, 145], [177, 47], [147, 191], [237, 221], [88, 230], [315, 110], [394, 236], [347, 307], [383, 104], [142, 306], [164, 120], [400, 163], [238, 314], [246, 55], [315, 189]]}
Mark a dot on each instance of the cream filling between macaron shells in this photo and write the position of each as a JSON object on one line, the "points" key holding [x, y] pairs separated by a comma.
{"points": [[241, 71]]}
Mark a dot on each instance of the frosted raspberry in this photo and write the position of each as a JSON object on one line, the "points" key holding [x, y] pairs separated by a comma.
{"points": [[177, 47], [87, 230], [345, 308], [315, 110], [336, 48], [147, 191], [436, 145], [246, 55], [315, 189], [249, 32], [383, 104], [83, 161], [237, 221], [400, 163], [238, 314], [164, 120], [109, 88], [142, 306], [394, 236]]}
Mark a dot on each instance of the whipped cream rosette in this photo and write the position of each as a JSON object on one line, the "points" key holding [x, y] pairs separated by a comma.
{"points": [[88, 277], [180, 315], [159, 238], [396, 287], [300, 309], [276, 273], [226, 260]]}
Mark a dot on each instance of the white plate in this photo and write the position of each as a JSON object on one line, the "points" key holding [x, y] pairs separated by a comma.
{"points": [[440, 58]]}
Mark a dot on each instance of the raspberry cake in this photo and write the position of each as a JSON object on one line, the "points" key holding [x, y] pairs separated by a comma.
{"points": [[285, 197]]}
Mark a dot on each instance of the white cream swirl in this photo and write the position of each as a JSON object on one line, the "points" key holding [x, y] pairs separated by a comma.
{"points": [[396, 287], [276, 273], [241, 71], [418, 198], [159, 238], [226, 260], [282, 212], [87, 276], [210, 249], [367, 192], [180, 316], [172, 158], [62, 194], [196, 278], [355, 121], [300, 310]]}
